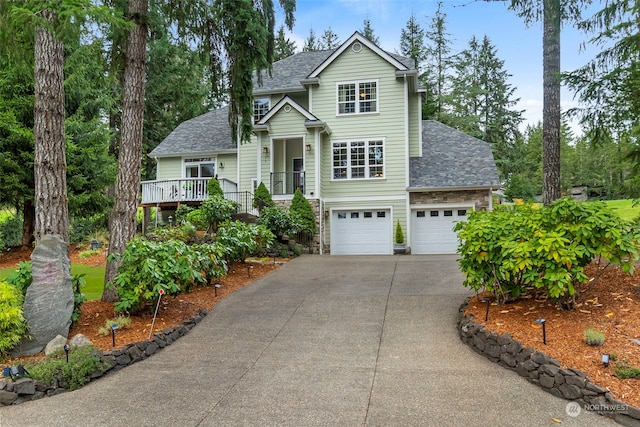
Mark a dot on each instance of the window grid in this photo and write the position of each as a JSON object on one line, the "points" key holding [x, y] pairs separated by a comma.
{"points": [[358, 97], [260, 108], [358, 159]]}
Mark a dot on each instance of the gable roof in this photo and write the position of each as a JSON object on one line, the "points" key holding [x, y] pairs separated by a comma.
{"points": [[451, 159], [392, 59], [208, 133]]}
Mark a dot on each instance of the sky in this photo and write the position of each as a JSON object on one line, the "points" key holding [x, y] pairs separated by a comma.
{"points": [[519, 46]]}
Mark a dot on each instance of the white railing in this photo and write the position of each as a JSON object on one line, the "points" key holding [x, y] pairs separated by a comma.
{"points": [[180, 190]]}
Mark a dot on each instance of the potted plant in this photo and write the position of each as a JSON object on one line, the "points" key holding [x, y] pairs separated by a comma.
{"points": [[400, 247]]}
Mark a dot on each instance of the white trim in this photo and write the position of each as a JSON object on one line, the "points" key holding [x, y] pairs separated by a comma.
{"points": [[442, 206], [286, 100], [259, 159], [316, 157], [363, 199], [419, 126], [212, 160], [364, 41], [367, 166]]}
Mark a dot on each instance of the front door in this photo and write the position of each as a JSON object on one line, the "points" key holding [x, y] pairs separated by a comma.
{"points": [[298, 174]]}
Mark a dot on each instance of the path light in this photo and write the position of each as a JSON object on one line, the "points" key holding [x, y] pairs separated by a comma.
{"points": [[488, 302], [215, 289], [544, 331], [113, 334], [249, 267], [170, 221], [605, 360], [66, 350]]}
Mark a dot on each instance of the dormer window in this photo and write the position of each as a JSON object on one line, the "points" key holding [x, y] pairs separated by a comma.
{"points": [[358, 97], [260, 108]]}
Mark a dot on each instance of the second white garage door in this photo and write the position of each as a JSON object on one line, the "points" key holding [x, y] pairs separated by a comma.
{"points": [[432, 230], [361, 232]]}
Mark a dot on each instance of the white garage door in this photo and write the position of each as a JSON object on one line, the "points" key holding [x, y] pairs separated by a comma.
{"points": [[432, 230], [361, 232]]}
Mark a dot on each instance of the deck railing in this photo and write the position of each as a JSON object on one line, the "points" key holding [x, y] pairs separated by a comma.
{"points": [[180, 190], [284, 183]]}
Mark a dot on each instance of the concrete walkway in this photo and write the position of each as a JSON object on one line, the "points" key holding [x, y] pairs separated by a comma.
{"points": [[323, 341]]}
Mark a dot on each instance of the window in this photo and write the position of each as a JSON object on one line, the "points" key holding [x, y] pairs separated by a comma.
{"points": [[342, 215], [462, 212], [381, 214], [355, 215], [358, 97], [368, 214], [260, 108], [420, 214], [448, 213], [200, 168], [433, 213], [358, 159]]}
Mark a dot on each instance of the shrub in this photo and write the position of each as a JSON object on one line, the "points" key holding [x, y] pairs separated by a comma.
{"points": [[511, 249], [262, 198], [184, 233], [198, 219], [122, 322], [399, 237], [78, 282], [278, 220], [593, 337], [21, 278], [12, 323], [146, 267], [243, 239], [214, 188], [624, 371], [54, 370], [11, 231], [82, 228], [217, 209], [302, 214], [182, 212]]}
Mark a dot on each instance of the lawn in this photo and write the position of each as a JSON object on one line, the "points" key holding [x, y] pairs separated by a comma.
{"points": [[94, 276], [624, 208]]}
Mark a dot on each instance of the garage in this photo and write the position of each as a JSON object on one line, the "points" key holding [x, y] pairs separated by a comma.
{"points": [[432, 229], [361, 232]]}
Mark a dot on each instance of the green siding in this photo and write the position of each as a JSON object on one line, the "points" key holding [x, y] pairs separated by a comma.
{"points": [[230, 170], [388, 123], [169, 168], [415, 113], [248, 164]]}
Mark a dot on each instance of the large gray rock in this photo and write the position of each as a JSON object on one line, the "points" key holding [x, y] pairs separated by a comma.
{"points": [[49, 301], [55, 345], [80, 340]]}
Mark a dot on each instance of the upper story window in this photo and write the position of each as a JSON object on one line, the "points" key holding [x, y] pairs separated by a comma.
{"points": [[200, 168], [358, 159], [358, 97], [260, 108]]}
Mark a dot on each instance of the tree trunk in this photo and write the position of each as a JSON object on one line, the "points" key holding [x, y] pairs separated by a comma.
{"points": [[122, 219], [28, 218], [50, 168], [551, 102]]}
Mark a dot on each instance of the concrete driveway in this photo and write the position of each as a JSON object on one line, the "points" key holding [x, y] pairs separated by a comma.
{"points": [[323, 341]]}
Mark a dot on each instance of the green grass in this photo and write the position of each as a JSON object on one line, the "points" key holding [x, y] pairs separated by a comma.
{"points": [[94, 276], [624, 208]]}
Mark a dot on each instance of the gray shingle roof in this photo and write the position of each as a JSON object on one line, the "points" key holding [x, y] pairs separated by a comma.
{"points": [[208, 133], [451, 158], [288, 72]]}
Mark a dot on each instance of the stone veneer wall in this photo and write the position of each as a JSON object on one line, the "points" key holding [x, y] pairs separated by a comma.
{"points": [[26, 389], [479, 198], [543, 370]]}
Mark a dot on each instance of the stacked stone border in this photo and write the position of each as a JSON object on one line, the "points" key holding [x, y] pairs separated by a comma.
{"points": [[26, 389], [543, 370]]}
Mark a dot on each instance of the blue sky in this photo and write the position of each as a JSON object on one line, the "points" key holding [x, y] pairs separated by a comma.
{"points": [[520, 47]]}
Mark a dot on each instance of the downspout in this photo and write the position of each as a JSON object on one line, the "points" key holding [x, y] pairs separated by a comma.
{"points": [[407, 210]]}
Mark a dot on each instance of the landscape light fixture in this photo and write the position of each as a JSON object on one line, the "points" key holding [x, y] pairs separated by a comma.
{"points": [[170, 221], [215, 289], [487, 301], [249, 267], [113, 334], [605, 360], [66, 350], [543, 322]]}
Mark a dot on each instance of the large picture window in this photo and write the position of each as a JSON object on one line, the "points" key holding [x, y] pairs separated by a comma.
{"points": [[200, 168], [358, 97], [260, 108], [358, 159]]}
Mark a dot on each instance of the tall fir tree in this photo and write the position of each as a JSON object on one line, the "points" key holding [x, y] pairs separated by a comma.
{"points": [[284, 47], [368, 32], [329, 40], [438, 66], [311, 43]]}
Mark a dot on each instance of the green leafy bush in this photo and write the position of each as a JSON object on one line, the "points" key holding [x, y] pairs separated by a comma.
{"points": [[399, 237], [184, 233], [242, 239], [625, 371], [302, 214], [182, 212], [12, 323], [79, 298], [262, 198], [21, 278], [146, 267], [278, 220], [198, 219], [594, 337], [54, 370], [512, 249], [122, 322], [217, 209], [11, 231]]}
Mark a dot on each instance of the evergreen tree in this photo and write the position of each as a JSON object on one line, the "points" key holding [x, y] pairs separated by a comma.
{"points": [[284, 47], [412, 42], [438, 66], [329, 40], [311, 43], [302, 213], [368, 32]]}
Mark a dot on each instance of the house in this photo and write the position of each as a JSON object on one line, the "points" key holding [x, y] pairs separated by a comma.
{"points": [[345, 127]]}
